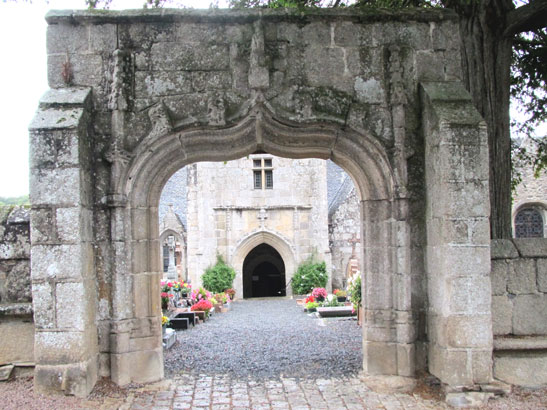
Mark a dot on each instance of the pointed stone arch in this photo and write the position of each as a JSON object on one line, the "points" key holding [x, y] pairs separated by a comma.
{"points": [[251, 241], [362, 156]]}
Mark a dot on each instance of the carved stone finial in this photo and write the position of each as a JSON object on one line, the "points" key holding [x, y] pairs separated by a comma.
{"points": [[216, 110], [160, 119], [259, 77], [117, 100]]}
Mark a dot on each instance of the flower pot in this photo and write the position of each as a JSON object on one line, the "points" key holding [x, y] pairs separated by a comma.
{"points": [[320, 299], [311, 310], [341, 298]]}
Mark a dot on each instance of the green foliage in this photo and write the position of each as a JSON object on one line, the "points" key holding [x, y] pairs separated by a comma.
{"points": [[19, 200], [312, 305], [219, 277], [354, 287], [310, 274]]}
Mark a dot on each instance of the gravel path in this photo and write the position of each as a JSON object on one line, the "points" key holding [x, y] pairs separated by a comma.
{"points": [[268, 338]]}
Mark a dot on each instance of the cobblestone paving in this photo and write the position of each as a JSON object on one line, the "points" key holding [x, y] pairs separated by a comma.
{"points": [[280, 358], [202, 392]]}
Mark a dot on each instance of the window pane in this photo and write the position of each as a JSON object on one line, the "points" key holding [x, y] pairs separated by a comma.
{"points": [[528, 224], [256, 163], [269, 179], [268, 163], [258, 179]]}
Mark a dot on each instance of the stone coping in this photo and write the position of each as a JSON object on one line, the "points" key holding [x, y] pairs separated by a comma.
{"points": [[15, 309], [335, 311], [521, 343], [518, 247], [247, 15]]}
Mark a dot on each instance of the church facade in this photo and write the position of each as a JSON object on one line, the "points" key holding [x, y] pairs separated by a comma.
{"points": [[264, 215]]}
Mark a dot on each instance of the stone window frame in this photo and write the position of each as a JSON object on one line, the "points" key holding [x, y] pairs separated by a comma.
{"points": [[263, 173], [530, 206]]}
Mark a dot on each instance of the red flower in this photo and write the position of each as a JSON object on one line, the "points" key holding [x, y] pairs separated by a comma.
{"points": [[164, 295], [169, 284], [309, 299], [202, 305]]}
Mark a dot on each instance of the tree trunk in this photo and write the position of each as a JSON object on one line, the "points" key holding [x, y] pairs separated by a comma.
{"points": [[486, 64]]}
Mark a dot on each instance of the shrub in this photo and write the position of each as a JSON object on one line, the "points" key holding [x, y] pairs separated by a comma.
{"points": [[309, 275], [219, 277], [354, 287]]}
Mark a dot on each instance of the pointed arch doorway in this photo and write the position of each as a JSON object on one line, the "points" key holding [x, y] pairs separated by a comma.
{"points": [[263, 273]]}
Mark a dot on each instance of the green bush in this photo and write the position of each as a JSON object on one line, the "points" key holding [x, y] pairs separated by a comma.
{"points": [[309, 275], [354, 287], [219, 277]]}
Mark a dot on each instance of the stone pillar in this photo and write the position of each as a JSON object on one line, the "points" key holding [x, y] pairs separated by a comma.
{"points": [[62, 260], [379, 347], [458, 236]]}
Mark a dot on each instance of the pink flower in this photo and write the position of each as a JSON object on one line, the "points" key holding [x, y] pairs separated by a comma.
{"points": [[319, 293]]}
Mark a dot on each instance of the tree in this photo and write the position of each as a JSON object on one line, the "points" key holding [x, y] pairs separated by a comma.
{"points": [[488, 30]]}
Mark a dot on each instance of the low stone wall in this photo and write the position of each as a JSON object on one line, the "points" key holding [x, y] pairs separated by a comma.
{"points": [[16, 320], [519, 310]]}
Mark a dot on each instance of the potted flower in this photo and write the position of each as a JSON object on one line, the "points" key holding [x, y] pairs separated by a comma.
{"points": [[341, 295], [319, 294], [164, 323], [231, 293], [185, 289], [165, 300], [202, 306], [216, 304], [312, 307], [199, 294]]}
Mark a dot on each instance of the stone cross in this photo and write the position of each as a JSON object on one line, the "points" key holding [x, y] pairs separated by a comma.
{"points": [[171, 270], [354, 240]]}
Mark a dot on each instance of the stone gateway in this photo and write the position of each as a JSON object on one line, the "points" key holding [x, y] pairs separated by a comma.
{"points": [[137, 95]]}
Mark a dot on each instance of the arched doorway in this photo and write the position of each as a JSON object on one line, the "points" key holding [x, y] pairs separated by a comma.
{"points": [[263, 273], [360, 155]]}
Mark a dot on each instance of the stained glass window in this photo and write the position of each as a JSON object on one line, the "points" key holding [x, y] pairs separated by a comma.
{"points": [[528, 224]]}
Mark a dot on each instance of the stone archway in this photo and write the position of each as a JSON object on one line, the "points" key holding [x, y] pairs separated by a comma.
{"points": [[152, 92], [263, 273], [361, 156]]}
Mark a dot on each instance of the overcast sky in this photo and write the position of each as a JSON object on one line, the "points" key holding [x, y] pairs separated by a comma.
{"points": [[23, 78]]}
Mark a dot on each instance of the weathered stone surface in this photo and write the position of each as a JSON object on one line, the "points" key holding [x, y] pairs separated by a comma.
{"points": [[529, 313], [499, 276], [526, 369], [542, 274], [17, 340], [531, 247], [502, 315], [503, 249], [14, 255], [521, 278]]}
